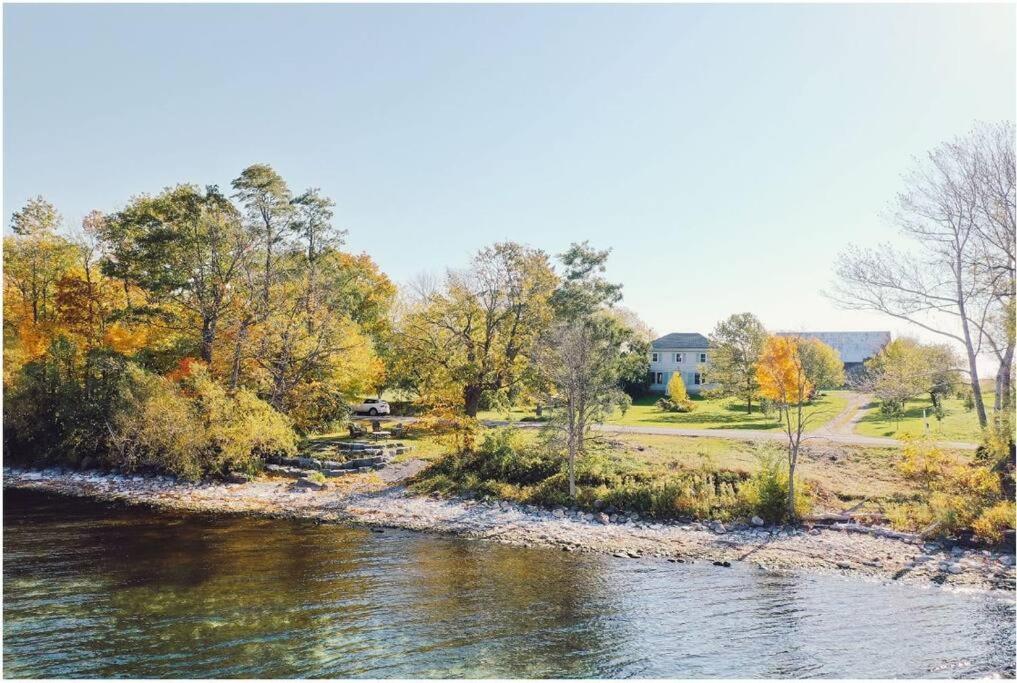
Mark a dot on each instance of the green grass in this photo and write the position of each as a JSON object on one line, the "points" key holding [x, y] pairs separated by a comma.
{"points": [[723, 413], [959, 424], [840, 475]]}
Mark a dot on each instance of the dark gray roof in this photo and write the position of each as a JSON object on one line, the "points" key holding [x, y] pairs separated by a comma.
{"points": [[682, 340]]}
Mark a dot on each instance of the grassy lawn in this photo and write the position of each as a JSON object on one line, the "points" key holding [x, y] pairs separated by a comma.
{"points": [[724, 413], [959, 424]]}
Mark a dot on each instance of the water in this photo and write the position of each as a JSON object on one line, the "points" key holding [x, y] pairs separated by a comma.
{"points": [[98, 591]]}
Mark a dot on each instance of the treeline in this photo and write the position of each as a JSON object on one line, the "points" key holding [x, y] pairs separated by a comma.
{"points": [[197, 329], [192, 329]]}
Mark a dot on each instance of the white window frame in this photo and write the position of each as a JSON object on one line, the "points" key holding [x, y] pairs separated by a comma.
{"points": [[702, 358], [659, 378], [654, 357], [679, 358], [699, 379]]}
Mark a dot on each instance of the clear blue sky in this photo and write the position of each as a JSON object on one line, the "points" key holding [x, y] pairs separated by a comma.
{"points": [[725, 153]]}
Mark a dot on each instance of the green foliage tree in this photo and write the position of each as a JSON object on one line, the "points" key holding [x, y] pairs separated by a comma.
{"points": [[187, 249], [735, 346], [905, 368], [475, 332]]}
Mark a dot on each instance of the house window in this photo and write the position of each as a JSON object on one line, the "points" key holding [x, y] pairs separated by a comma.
{"points": [[660, 378], [700, 378], [702, 358], [653, 358], [678, 358]]}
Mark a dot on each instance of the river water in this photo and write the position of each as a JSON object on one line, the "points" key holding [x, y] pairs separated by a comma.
{"points": [[97, 591]]}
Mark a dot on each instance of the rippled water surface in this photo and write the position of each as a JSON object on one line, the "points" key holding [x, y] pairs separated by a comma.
{"points": [[91, 590]]}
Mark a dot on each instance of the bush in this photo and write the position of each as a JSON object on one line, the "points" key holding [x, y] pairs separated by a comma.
{"points": [[67, 406], [993, 521], [955, 493], [672, 406], [765, 493]]}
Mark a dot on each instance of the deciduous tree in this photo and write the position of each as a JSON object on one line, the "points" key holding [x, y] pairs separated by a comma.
{"points": [[735, 347], [789, 371]]}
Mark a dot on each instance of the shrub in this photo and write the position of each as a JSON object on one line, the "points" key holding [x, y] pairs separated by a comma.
{"points": [[193, 427], [671, 406], [993, 521], [766, 491], [955, 494], [68, 405]]}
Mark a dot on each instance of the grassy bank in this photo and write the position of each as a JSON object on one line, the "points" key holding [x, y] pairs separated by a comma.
{"points": [[669, 476]]}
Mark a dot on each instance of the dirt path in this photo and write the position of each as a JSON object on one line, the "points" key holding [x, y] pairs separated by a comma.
{"points": [[843, 424]]}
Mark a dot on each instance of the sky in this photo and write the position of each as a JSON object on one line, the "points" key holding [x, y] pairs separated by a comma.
{"points": [[725, 154]]}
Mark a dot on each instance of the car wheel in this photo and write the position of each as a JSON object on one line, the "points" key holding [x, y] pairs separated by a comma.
{"points": [[373, 411]]}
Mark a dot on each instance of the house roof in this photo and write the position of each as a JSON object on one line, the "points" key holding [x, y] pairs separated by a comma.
{"points": [[682, 340]]}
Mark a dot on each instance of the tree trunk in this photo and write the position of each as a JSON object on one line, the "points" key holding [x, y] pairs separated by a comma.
{"points": [[471, 399], [792, 463], [976, 389], [238, 352], [1003, 386], [750, 403], [572, 469], [207, 338]]}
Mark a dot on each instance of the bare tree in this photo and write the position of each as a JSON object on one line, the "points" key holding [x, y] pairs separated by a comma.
{"points": [[578, 367], [958, 281]]}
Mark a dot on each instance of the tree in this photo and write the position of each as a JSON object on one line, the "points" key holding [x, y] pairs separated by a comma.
{"points": [[823, 364], [578, 366], [676, 388], [905, 368], [958, 207], [735, 346], [789, 371], [475, 332], [37, 217], [269, 212], [583, 290], [35, 258], [898, 373], [187, 249]]}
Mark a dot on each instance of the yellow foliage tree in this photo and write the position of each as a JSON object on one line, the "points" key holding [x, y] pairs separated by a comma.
{"points": [[676, 388], [789, 371]]}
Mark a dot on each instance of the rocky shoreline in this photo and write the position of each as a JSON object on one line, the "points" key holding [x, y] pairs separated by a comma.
{"points": [[366, 499]]}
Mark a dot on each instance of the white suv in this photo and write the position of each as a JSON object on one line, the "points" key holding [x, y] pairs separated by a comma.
{"points": [[372, 406]]}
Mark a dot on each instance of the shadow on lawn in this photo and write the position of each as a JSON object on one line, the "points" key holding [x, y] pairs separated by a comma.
{"points": [[706, 422]]}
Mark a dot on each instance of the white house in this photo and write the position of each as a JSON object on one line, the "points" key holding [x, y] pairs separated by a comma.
{"points": [[685, 352]]}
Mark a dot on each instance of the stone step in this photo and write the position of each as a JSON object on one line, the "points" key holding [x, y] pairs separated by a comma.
{"points": [[287, 471]]}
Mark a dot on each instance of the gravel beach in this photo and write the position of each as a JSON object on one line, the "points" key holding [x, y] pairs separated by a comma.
{"points": [[369, 500]]}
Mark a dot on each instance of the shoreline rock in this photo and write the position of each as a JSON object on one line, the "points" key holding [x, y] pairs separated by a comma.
{"points": [[363, 499]]}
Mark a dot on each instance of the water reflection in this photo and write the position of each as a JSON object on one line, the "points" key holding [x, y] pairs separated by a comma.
{"points": [[95, 591]]}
